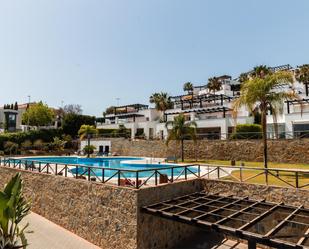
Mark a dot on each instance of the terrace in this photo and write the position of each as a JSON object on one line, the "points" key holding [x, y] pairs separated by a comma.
{"points": [[157, 174], [128, 109], [199, 101], [263, 222]]}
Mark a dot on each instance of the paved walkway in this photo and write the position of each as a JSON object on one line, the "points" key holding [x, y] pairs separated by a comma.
{"points": [[48, 235]]}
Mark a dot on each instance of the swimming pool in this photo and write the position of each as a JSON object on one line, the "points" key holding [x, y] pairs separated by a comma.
{"points": [[112, 164]]}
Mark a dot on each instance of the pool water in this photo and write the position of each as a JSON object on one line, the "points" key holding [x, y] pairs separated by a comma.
{"points": [[111, 164]]}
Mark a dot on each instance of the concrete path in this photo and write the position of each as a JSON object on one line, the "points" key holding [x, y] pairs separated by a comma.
{"points": [[48, 235]]}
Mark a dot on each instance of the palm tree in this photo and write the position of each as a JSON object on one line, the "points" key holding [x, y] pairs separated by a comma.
{"points": [[188, 87], [260, 71], [162, 101], [243, 77], [302, 75], [86, 131], [258, 93], [214, 84], [180, 131]]}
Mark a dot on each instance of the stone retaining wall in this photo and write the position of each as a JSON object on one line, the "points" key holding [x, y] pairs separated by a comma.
{"points": [[287, 195], [108, 216], [285, 151], [111, 216], [100, 213]]}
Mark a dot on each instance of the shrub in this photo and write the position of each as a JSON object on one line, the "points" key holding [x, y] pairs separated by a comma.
{"points": [[14, 207], [10, 147], [89, 149], [20, 137], [26, 145], [122, 131], [247, 131]]}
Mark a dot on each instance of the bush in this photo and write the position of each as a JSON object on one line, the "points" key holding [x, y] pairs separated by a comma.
{"points": [[120, 132], [10, 147], [20, 137], [247, 131], [13, 209], [89, 149]]}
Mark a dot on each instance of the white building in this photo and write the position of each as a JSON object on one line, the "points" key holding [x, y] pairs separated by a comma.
{"points": [[139, 119], [11, 118], [212, 112]]}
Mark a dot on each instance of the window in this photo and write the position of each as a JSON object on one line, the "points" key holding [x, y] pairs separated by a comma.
{"points": [[301, 130]]}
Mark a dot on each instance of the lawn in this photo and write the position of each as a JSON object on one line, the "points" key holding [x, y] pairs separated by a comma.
{"points": [[272, 180], [253, 164]]}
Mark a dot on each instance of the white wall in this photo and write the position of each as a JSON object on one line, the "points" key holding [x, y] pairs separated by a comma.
{"points": [[97, 143]]}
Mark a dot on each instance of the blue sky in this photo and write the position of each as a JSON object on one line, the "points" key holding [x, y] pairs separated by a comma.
{"points": [[91, 52]]}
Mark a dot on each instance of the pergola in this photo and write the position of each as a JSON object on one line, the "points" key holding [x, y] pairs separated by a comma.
{"points": [[129, 108], [266, 223], [126, 115], [191, 99], [297, 102], [222, 109]]}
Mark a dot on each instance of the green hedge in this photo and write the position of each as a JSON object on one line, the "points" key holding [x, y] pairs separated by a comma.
{"points": [[20, 137], [106, 131], [247, 131], [122, 132]]}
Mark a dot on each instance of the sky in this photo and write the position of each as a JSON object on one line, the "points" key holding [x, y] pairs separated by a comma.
{"points": [[93, 52]]}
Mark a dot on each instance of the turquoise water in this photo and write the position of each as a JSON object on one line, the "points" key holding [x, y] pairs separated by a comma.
{"points": [[110, 164]]}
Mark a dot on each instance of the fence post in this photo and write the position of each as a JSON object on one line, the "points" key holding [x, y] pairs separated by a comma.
{"points": [[103, 174], [156, 178], [172, 174], [136, 183], [218, 172], [185, 172], [118, 177], [199, 171], [65, 170], [266, 176], [296, 179], [56, 168], [88, 174], [241, 174]]}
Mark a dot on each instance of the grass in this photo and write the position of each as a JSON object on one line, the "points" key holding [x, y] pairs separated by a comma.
{"points": [[272, 180], [253, 164]]}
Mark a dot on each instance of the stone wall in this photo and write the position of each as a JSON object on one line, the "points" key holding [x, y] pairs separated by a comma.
{"points": [[287, 195], [158, 233], [102, 214], [285, 151], [108, 216], [111, 216]]}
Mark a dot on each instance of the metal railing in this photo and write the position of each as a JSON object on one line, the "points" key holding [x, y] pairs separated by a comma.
{"points": [[164, 174]]}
